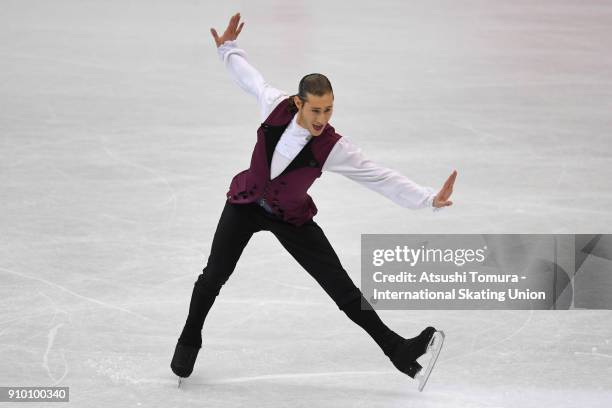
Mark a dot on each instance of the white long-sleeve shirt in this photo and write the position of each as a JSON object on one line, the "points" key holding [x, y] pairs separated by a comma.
{"points": [[345, 158]]}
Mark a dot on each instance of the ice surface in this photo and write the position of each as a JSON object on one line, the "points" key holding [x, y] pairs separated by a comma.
{"points": [[120, 131]]}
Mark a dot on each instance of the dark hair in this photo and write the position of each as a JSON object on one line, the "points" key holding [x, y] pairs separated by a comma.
{"points": [[314, 84]]}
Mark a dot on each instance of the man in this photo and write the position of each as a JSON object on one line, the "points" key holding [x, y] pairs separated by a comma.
{"points": [[295, 145]]}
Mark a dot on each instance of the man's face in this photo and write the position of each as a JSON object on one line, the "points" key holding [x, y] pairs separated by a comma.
{"points": [[315, 113]]}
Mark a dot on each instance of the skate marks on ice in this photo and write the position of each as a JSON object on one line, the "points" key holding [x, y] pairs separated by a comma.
{"points": [[478, 336], [53, 357], [64, 289], [157, 177], [127, 370], [595, 350], [593, 353], [293, 376], [50, 340], [541, 345], [116, 368]]}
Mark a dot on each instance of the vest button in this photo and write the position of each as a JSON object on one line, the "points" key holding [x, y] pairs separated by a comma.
{"points": [[313, 163]]}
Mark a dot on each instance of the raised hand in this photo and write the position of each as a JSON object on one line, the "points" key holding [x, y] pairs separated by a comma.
{"points": [[441, 199], [231, 32]]}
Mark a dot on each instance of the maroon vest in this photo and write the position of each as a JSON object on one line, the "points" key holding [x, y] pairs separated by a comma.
{"points": [[287, 193]]}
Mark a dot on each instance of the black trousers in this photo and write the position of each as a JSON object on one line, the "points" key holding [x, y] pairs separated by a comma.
{"points": [[310, 248]]}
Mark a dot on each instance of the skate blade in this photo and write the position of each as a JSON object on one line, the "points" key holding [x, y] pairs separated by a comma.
{"points": [[435, 346], [180, 381]]}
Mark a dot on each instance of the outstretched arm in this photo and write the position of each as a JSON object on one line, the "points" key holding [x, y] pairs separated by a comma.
{"points": [[348, 160], [242, 72]]}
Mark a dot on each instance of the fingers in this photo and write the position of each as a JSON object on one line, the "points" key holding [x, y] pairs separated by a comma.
{"points": [[231, 32], [215, 35], [233, 22], [447, 188], [454, 176], [446, 191], [450, 180]]}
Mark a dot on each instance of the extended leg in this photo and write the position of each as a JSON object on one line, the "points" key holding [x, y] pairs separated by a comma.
{"points": [[235, 228], [311, 249], [233, 232]]}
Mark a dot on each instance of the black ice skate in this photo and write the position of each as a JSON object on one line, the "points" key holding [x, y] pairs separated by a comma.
{"points": [[183, 360], [409, 350]]}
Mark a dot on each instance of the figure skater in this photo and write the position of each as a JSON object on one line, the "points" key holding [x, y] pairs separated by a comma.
{"points": [[295, 144]]}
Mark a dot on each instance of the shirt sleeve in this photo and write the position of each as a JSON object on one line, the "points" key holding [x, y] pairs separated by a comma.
{"points": [[347, 159], [249, 79]]}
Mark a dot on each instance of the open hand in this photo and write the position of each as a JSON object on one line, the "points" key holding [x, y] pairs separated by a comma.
{"points": [[441, 199], [231, 32]]}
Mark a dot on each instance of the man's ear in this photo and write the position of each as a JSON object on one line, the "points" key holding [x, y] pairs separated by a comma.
{"points": [[297, 101]]}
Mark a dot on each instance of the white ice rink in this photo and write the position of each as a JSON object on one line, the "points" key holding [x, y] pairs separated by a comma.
{"points": [[120, 131]]}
